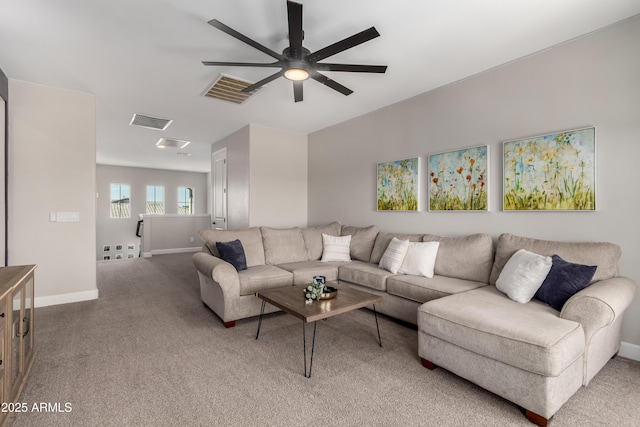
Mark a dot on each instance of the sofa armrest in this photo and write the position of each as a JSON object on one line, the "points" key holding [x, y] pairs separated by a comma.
{"points": [[220, 271], [600, 304]]}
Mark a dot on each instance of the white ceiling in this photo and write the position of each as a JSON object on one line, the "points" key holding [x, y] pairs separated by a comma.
{"points": [[143, 56]]}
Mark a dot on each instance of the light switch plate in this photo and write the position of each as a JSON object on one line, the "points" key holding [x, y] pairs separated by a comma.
{"points": [[68, 216]]}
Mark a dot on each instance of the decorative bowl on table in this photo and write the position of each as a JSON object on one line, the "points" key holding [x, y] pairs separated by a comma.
{"points": [[328, 292]]}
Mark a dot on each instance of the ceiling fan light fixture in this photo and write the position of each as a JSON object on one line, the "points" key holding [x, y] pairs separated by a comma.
{"points": [[296, 74]]}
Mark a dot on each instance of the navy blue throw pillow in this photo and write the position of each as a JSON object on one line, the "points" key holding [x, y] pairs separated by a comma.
{"points": [[233, 253], [563, 281]]}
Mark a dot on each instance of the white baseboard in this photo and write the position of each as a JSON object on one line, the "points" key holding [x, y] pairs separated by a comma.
{"points": [[170, 251], [630, 351], [65, 298]]}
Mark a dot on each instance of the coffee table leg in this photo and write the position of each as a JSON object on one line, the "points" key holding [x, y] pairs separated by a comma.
{"points": [[260, 319], [304, 348], [375, 314]]}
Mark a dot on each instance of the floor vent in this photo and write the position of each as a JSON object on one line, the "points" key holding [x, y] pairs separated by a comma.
{"points": [[228, 88], [149, 122]]}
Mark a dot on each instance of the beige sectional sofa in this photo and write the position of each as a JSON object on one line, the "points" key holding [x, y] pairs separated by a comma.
{"points": [[530, 354]]}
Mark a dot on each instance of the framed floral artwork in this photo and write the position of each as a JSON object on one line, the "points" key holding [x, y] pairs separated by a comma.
{"points": [[553, 172], [458, 180], [399, 185]]}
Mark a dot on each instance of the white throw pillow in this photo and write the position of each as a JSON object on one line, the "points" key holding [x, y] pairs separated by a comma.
{"points": [[394, 255], [335, 248], [523, 275], [420, 259]]}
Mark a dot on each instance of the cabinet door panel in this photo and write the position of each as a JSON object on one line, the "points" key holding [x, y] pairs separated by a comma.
{"points": [[16, 340], [27, 320]]}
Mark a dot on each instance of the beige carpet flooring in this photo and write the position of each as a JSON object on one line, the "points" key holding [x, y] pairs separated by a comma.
{"points": [[148, 353]]}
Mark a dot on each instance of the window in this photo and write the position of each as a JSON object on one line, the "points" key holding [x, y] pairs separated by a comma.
{"points": [[155, 199], [185, 201], [120, 201]]}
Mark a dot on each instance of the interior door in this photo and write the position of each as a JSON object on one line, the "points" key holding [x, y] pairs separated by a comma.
{"points": [[219, 185]]}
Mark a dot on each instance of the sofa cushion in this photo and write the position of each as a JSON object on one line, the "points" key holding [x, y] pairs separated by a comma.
{"points": [[303, 272], [362, 240], [313, 238], [563, 281], [420, 259], [394, 255], [336, 248], [423, 289], [382, 242], [364, 274], [464, 257], [283, 245], [527, 336], [263, 277], [523, 275], [602, 254], [233, 253], [251, 239]]}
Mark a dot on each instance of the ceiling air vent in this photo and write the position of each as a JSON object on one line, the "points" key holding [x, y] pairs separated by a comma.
{"points": [[173, 143], [228, 88], [150, 122]]}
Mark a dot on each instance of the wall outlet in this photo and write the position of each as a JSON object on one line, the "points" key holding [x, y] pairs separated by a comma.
{"points": [[191, 239]]}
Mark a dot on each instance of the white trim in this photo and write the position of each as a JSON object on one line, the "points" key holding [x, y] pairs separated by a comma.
{"points": [[65, 298], [630, 351], [174, 215], [170, 251]]}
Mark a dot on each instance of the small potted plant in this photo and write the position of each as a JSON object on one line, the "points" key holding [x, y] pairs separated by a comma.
{"points": [[314, 291]]}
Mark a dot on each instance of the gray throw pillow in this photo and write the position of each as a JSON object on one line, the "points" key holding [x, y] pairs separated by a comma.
{"points": [[233, 253], [563, 281]]}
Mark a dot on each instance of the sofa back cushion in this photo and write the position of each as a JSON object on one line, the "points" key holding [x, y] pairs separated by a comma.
{"points": [[313, 238], [283, 245], [362, 240], [464, 257], [604, 255], [251, 240], [383, 240]]}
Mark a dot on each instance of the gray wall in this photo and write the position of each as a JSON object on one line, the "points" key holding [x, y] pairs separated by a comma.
{"points": [[590, 81], [171, 233], [266, 177], [52, 138], [112, 231], [238, 173], [278, 186]]}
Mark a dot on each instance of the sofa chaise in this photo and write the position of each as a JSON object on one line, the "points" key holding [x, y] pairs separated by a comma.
{"points": [[529, 353]]}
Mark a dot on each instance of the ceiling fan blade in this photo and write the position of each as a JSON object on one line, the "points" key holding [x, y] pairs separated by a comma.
{"points": [[233, 33], [342, 45], [243, 64], [296, 34], [331, 83], [351, 68], [297, 91], [263, 82]]}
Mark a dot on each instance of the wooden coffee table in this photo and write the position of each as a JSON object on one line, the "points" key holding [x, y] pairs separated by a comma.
{"points": [[291, 300]]}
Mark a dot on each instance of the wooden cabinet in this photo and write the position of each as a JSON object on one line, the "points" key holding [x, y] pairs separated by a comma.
{"points": [[16, 331]]}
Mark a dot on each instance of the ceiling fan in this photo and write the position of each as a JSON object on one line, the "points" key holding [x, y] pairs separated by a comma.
{"points": [[297, 63]]}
